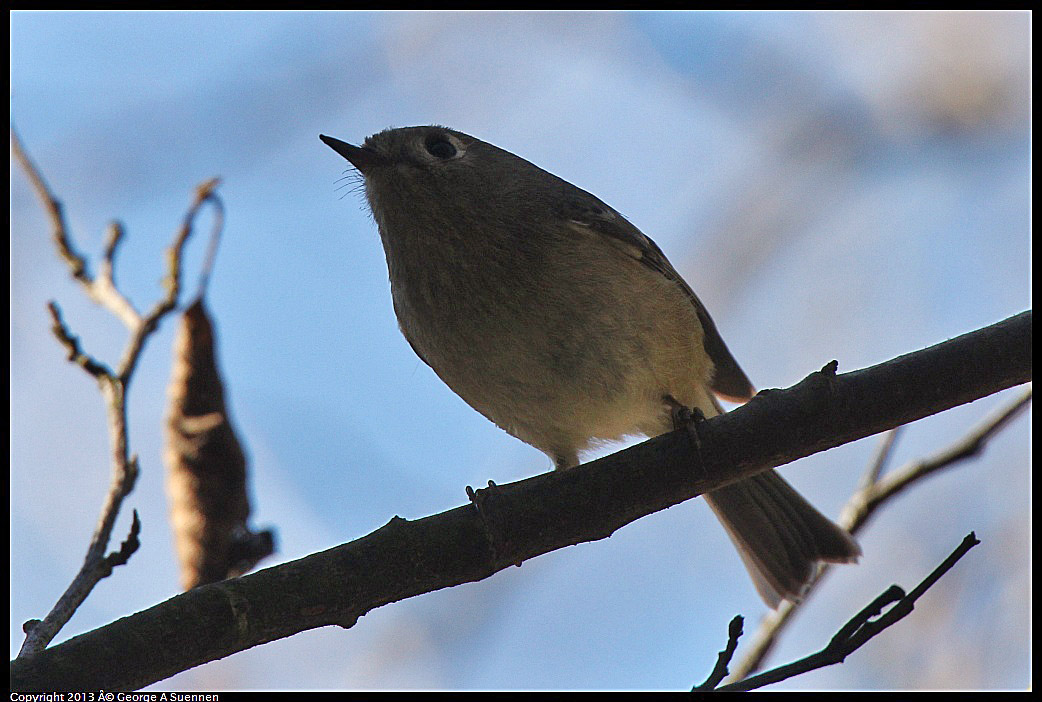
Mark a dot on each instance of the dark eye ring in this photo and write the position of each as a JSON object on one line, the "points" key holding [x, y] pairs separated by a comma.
{"points": [[440, 147]]}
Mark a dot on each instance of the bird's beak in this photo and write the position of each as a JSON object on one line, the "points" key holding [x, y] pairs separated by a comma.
{"points": [[361, 157]]}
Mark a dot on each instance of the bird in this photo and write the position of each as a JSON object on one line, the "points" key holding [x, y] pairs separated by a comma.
{"points": [[553, 316]]}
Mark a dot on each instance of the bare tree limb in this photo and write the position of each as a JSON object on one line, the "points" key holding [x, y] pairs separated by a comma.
{"points": [[872, 494], [862, 627], [867, 501], [113, 383], [532, 516]]}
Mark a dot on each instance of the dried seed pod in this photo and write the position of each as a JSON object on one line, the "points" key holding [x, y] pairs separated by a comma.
{"points": [[206, 466]]}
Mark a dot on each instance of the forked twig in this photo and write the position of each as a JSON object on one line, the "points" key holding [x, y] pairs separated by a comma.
{"points": [[863, 626], [874, 491], [113, 383]]}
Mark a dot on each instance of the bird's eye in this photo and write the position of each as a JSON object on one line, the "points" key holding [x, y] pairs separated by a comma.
{"points": [[440, 147]]}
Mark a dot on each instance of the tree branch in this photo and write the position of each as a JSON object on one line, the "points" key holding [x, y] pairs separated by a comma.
{"points": [[113, 384], [863, 626], [873, 493], [734, 632], [509, 524]]}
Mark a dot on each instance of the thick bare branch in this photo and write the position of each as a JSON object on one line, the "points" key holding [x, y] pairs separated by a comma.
{"points": [[532, 516]]}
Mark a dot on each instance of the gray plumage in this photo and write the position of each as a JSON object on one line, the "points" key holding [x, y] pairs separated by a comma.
{"points": [[557, 319]]}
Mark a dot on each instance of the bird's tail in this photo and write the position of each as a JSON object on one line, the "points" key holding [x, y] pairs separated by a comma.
{"points": [[779, 535]]}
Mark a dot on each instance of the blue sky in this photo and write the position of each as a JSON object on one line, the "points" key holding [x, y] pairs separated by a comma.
{"points": [[846, 186]]}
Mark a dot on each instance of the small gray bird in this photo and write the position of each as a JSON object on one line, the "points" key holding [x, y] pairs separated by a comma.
{"points": [[553, 316]]}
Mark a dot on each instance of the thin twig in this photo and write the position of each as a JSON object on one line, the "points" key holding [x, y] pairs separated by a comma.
{"points": [[101, 290], [879, 461], [105, 285], [204, 193], [868, 501], [211, 250], [72, 258], [113, 385], [873, 493], [75, 354], [734, 632], [866, 624]]}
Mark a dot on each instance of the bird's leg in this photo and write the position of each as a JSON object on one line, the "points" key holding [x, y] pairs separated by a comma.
{"points": [[687, 418]]}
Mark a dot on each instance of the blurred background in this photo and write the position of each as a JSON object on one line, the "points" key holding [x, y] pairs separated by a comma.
{"points": [[849, 186]]}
